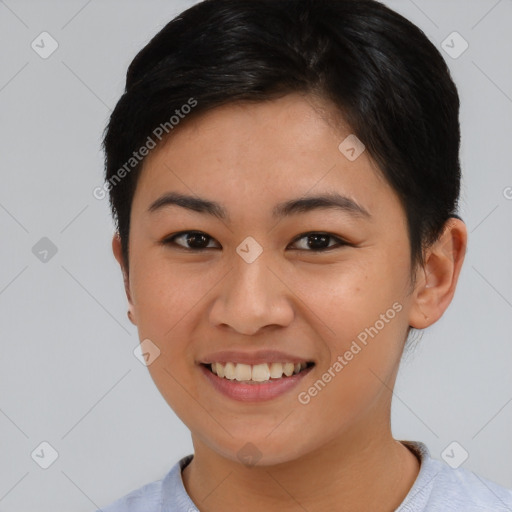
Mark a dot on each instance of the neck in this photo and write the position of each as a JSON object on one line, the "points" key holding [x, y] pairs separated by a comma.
{"points": [[359, 470]]}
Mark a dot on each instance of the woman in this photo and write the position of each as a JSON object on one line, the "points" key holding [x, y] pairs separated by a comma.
{"points": [[284, 175]]}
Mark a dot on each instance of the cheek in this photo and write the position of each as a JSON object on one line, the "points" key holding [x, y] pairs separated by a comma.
{"points": [[167, 299], [351, 294], [162, 300], [164, 292], [366, 325], [358, 310]]}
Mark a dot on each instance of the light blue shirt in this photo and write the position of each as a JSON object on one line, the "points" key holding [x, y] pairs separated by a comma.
{"points": [[437, 488]]}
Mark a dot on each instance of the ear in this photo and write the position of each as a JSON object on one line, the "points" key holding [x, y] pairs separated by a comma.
{"points": [[118, 254], [437, 280]]}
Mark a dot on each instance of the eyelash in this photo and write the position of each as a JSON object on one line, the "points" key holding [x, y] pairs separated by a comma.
{"points": [[340, 242]]}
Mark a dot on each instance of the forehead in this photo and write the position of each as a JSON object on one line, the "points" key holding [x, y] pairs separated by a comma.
{"points": [[247, 153]]}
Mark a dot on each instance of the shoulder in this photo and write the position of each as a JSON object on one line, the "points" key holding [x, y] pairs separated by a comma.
{"points": [[439, 488], [457, 487], [152, 496], [145, 499]]}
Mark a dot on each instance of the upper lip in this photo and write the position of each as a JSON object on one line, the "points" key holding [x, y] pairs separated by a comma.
{"points": [[252, 358]]}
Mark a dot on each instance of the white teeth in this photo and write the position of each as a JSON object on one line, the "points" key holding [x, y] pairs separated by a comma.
{"points": [[276, 370], [219, 369], [243, 372], [288, 369], [258, 372], [229, 371]]}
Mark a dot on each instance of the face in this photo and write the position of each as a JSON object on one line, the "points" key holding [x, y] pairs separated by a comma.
{"points": [[322, 284]]}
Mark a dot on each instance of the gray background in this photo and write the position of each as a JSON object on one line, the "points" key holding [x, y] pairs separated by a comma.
{"points": [[68, 375]]}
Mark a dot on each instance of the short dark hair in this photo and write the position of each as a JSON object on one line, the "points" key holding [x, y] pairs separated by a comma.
{"points": [[379, 71]]}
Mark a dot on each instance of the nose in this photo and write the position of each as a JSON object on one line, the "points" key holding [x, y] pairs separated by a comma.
{"points": [[251, 298]]}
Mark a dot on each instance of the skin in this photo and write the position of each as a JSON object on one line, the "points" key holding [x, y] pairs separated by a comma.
{"points": [[337, 452]]}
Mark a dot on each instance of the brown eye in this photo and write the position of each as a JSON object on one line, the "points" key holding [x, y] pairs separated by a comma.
{"points": [[318, 242], [192, 240]]}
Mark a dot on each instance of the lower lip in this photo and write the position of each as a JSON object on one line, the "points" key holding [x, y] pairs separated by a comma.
{"points": [[257, 392]]}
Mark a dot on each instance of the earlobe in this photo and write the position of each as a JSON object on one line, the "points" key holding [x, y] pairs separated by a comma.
{"points": [[437, 280], [118, 254]]}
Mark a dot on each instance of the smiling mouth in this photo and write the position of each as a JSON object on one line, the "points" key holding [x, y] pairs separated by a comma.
{"points": [[257, 373]]}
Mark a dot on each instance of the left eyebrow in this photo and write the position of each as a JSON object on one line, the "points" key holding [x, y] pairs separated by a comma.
{"points": [[331, 200]]}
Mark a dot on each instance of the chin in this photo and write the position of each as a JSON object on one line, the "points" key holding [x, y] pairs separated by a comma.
{"points": [[258, 450]]}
